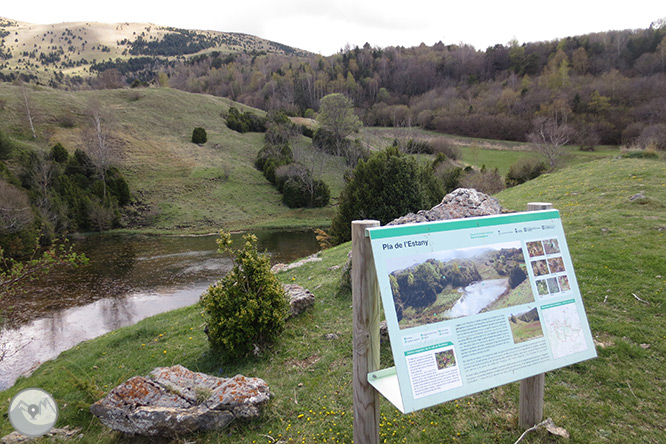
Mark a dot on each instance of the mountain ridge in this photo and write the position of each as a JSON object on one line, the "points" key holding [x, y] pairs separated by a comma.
{"points": [[44, 51]]}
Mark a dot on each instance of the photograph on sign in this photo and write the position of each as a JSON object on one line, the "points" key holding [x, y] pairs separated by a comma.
{"points": [[476, 303], [456, 283]]}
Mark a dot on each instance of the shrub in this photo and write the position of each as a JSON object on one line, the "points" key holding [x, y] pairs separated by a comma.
{"points": [[277, 155], [447, 173], [307, 131], [298, 187], [59, 153], [524, 169], [488, 182], [286, 172], [6, 146], [66, 120], [412, 146], [247, 307], [297, 193], [443, 146], [640, 154], [386, 186], [653, 136], [199, 136], [245, 122]]}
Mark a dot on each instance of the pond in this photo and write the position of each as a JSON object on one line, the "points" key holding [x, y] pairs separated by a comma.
{"points": [[129, 278]]}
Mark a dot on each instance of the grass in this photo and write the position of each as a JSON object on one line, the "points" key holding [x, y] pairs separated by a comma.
{"points": [[477, 152], [189, 188], [617, 248]]}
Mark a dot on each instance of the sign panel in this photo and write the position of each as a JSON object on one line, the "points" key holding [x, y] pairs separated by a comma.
{"points": [[475, 303]]}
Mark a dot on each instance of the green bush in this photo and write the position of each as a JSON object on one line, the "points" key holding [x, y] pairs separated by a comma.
{"points": [[199, 136], [245, 122], [524, 169], [59, 153], [247, 308], [6, 146], [412, 146], [299, 194], [640, 155], [386, 186], [275, 155]]}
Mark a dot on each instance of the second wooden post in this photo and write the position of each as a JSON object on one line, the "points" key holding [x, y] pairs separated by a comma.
{"points": [[532, 389]]}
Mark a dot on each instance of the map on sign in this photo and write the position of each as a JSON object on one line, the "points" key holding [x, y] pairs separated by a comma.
{"points": [[475, 303], [564, 329]]}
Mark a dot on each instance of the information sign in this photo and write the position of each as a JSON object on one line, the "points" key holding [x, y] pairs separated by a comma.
{"points": [[476, 303]]}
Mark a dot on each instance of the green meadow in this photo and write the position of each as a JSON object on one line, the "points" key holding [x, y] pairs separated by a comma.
{"points": [[616, 244]]}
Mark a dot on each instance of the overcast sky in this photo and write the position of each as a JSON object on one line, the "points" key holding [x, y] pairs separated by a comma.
{"points": [[325, 27]]}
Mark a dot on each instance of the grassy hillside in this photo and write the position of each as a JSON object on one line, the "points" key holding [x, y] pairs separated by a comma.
{"points": [[616, 245], [186, 186], [477, 152], [73, 47]]}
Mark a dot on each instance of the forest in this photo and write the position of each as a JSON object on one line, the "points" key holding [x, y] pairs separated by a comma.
{"points": [[608, 88]]}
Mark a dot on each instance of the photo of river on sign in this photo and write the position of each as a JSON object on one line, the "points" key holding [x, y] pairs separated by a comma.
{"points": [[456, 283]]}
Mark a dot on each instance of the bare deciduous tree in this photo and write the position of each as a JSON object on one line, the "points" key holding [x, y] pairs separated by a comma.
{"points": [[97, 139], [313, 163], [28, 110], [15, 211], [549, 137]]}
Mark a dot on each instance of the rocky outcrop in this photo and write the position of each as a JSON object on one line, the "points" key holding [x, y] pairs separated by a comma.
{"points": [[279, 268], [299, 298], [174, 401], [460, 203]]}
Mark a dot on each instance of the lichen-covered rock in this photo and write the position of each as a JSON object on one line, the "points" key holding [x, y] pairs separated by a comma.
{"points": [[299, 299], [174, 401], [460, 203]]}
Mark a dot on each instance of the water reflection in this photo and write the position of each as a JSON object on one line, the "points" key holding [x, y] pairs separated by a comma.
{"points": [[129, 278]]}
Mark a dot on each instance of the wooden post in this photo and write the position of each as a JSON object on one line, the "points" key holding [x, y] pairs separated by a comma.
{"points": [[365, 297], [531, 389]]}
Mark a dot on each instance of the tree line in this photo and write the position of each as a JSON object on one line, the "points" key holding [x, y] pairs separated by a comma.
{"points": [[608, 88], [603, 88]]}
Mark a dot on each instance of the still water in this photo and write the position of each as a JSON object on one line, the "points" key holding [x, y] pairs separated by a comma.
{"points": [[128, 279]]}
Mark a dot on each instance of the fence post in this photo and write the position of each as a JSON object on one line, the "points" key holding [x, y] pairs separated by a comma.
{"points": [[365, 309], [532, 389]]}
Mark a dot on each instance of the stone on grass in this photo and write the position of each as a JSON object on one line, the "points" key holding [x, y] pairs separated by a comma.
{"points": [[460, 203], [174, 401], [299, 299], [279, 268]]}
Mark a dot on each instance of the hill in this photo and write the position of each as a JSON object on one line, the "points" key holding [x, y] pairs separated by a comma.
{"points": [[615, 243], [604, 88], [49, 52], [177, 185]]}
